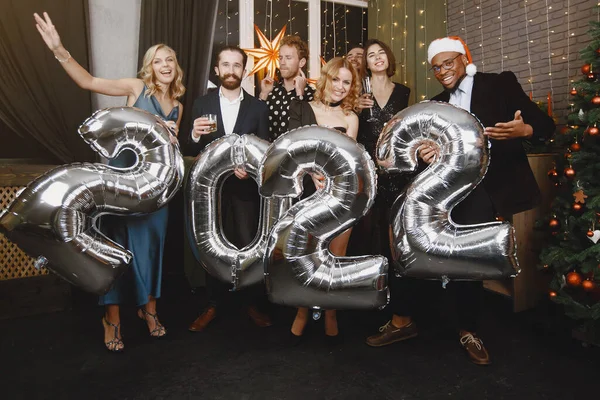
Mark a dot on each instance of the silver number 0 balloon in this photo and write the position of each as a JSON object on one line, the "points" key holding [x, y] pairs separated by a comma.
{"points": [[53, 218], [426, 243], [301, 271], [220, 258]]}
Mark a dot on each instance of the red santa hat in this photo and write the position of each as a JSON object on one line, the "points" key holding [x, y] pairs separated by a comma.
{"points": [[451, 43]]}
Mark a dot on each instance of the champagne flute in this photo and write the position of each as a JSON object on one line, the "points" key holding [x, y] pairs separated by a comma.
{"points": [[368, 90]]}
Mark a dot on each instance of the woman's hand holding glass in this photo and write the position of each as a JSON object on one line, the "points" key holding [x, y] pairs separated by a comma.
{"points": [[367, 96]]}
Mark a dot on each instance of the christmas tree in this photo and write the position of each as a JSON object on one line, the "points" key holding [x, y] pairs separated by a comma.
{"points": [[572, 252]]}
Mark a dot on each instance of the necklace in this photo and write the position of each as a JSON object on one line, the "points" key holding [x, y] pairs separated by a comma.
{"points": [[331, 105]]}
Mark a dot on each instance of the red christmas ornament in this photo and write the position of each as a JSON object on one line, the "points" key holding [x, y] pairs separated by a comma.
{"points": [[577, 207], [588, 285], [596, 100], [573, 92], [569, 172], [592, 130], [552, 293], [554, 224], [574, 279], [564, 129], [591, 76], [590, 233], [586, 69], [575, 147]]}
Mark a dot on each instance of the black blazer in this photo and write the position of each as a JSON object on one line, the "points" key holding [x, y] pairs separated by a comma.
{"points": [[253, 118], [509, 180]]}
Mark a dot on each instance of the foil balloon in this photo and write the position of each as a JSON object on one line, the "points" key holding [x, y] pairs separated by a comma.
{"points": [[426, 243], [53, 218], [300, 269], [220, 258]]}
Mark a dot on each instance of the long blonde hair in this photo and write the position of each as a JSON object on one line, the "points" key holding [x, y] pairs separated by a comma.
{"points": [[331, 70], [146, 73]]}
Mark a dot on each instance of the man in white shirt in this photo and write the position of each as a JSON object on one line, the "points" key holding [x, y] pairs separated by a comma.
{"points": [[237, 112]]}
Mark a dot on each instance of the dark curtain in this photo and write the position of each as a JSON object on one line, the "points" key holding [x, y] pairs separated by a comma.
{"points": [[38, 101], [188, 27]]}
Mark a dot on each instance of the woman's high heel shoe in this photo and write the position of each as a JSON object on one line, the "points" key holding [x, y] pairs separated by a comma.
{"points": [[115, 345], [294, 340], [159, 330]]}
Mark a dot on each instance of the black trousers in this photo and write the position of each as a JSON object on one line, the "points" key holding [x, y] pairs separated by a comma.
{"points": [[408, 293], [239, 217]]}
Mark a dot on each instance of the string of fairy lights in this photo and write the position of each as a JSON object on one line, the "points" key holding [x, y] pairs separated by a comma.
{"points": [[405, 38], [527, 21], [424, 28], [339, 29], [501, 38], [464, 14], [481, 31], [550, 54]]}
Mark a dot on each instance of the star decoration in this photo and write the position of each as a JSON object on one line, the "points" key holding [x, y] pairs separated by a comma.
{"points": [[312, 81], [267, 56], [580, 196]]}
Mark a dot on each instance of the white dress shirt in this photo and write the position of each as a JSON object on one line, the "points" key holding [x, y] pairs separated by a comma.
{"points": [[229, 112], [461, 97]]}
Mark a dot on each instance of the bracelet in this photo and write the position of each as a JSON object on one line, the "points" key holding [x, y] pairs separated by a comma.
{"points": [[65, 60]]}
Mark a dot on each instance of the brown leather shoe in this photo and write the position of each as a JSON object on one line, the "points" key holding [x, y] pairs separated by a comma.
{"points": [[261, 320], [474, 348], [390, 334], [203, 320]]}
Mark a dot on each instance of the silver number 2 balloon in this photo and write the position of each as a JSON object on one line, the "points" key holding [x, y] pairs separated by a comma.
{"points": [[220, 258], [53, 218], [301, 271], [426, 243]]}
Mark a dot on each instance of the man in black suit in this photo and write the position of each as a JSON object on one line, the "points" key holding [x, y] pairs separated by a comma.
{"points": [[237, 112], [509, 187]]}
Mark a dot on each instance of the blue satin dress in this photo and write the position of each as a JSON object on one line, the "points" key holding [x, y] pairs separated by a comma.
{"points": [[143, 235]]}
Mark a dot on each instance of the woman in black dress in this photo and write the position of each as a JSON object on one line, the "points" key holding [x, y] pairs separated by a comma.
{"points": [[371, 235]]}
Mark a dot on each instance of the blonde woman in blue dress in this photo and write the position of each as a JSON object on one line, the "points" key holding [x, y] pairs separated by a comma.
{"points": [[156, 90]]}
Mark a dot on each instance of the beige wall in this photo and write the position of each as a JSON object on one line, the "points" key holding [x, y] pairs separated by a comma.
{"points": [[423, 21], [114, 34]]}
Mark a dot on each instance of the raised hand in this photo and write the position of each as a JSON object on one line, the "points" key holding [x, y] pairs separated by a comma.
{"points": [[266, 86], [516, 128], [300, 83], [47, 31]]}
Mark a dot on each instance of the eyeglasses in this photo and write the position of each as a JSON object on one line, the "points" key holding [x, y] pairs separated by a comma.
{"points": [[446, 64]]}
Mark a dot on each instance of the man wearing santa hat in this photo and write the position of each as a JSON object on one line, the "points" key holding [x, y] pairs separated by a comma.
{"points": [[509, 187]]}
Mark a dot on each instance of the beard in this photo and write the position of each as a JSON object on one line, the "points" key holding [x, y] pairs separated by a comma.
{"points": [[230, 85]]}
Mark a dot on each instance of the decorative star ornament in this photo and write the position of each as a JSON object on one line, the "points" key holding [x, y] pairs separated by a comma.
{"points": [[267, 56]]}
